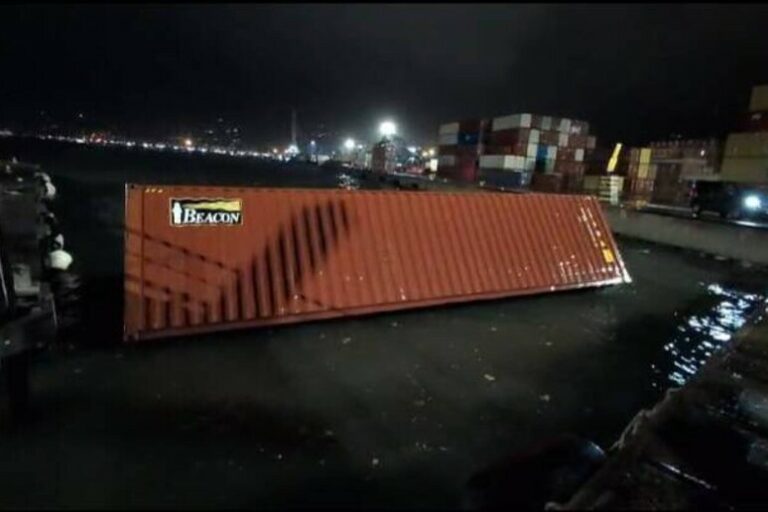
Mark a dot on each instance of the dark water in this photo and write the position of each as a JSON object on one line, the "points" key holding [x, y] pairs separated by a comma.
{"points": [[392, 410]]}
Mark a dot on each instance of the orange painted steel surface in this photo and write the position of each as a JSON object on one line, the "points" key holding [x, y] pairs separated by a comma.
{"points": [[293, 255]]}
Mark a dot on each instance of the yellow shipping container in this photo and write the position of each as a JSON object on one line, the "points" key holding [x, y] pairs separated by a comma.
{"points": [[745, 170], [645, 155], [759, 99], [747, 145], [643, 170]]}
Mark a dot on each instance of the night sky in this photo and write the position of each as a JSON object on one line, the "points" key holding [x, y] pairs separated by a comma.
{"points": [[635, 72]]}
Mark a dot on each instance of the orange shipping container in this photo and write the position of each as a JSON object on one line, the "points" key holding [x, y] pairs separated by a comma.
{"points": [[211, 258]]}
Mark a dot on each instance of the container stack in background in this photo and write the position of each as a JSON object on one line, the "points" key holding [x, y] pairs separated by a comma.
{"points": [[603, 169], [509, 159], [384, 158], [678, 164], [544, 152], [460, 146], [745, 158], [640, 176]]}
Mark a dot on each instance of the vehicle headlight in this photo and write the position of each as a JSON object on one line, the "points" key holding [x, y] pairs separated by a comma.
{"points": [[752, 202]]}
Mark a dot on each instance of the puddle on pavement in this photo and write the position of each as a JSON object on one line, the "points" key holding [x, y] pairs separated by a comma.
{"points": [[699, 335]]}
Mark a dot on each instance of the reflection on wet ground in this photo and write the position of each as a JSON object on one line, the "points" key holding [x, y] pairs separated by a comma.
{"points": [[699, 335]]}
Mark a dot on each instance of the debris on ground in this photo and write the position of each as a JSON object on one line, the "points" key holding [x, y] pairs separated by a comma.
{"points": [[394, 324], [489, 377], [375, 462], [493, 329], [346, 340], [544, 398]]}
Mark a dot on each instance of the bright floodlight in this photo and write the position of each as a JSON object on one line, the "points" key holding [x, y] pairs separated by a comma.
{"points": [[388, 128], [349, 144], [752, 202]]}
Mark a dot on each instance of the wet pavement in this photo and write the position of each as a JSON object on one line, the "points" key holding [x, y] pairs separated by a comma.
{"points": [[393, 410]]}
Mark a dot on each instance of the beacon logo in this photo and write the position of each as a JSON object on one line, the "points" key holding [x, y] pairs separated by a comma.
{"points": [[206, 212]]}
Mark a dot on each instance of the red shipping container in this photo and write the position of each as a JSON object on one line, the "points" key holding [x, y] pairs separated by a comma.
{"points": [[568, 167], [756, 122], [550, 183], [572, 183], [577, 141], [549, 138], [515, 149], [567, 154], [536, 120], [203, 259], [470, 126], [463, 172], [510, 137]]}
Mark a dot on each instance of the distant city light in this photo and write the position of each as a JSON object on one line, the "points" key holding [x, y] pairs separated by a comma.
{"points": [[188, 142], [431, 151], [349, 144], [388, 128], [413, 149]]}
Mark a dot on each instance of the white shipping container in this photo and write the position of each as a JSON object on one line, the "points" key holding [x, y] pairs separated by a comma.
{"points": [[449, 128], [530, 163], [579, 155], [511, 121], [492, 161], [551, 152], [532, 150], [533, 136], [565, 126], [506, 162], [549, 166], [433, 164], [449, 139], [562, 140], [546, 123], [446, 161]]}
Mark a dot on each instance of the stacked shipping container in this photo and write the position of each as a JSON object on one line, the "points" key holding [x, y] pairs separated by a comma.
{"points": [[746, 153], [678, 163], [544, 152], [460, 147], [640, 175]]}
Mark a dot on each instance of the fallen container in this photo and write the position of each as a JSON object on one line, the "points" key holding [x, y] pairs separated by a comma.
{"points": [[203, 259]]}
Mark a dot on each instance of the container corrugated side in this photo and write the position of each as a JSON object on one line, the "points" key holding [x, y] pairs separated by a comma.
{"points": [[297, 255]]}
